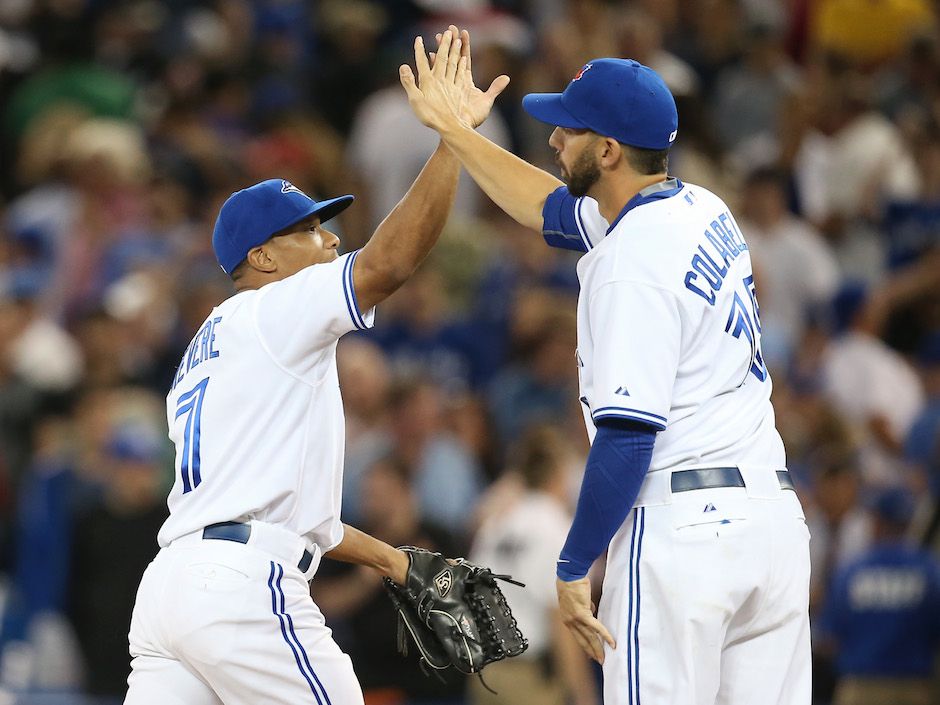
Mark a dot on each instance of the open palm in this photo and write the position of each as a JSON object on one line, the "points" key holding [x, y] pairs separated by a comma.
{"points": [[476, 103], [444, 91]]}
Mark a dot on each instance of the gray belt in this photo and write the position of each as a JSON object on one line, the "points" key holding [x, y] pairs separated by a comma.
{"points": [[240, 532], [708, 478]]}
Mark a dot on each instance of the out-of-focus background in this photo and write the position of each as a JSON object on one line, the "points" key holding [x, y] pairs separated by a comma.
{"points": [[125, 123]]}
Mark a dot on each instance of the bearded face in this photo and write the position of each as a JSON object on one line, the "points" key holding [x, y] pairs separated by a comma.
{"points": [[582, 174]]}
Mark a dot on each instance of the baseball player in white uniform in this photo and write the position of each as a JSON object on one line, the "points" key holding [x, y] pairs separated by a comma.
{"points": [[224, 613], [706, 587]]}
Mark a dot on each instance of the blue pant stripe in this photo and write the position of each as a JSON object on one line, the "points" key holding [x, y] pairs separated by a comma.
{"points": [[636, 628], [633, 537], [280, 618], [303, 652]]}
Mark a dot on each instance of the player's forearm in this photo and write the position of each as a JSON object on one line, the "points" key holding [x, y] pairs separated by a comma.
{"points": [[512, 183], [619, 459], [406, 236], [360, 548]]}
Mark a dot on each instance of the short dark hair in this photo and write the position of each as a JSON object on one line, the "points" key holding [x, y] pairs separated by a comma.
{"points": [[647, 161], [240, 270]]}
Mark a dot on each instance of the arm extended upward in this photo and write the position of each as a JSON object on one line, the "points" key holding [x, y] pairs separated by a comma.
{"points": [[406, 236], [513, 184]]}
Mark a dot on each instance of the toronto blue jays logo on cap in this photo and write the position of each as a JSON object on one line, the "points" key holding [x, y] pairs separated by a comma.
{"points": [[287, 186], [580, 73]]}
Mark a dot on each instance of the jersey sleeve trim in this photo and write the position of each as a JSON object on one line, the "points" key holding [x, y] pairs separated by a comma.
{"points": [[623, 412], [580, 221], [560, 226], [350, 292]]}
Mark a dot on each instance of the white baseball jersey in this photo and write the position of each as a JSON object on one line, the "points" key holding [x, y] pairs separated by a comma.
{"points": [[706, 591], [255, 410], [257, 419], [669, 326]]}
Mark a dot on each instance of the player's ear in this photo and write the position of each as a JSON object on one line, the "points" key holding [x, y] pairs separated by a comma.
{"points": [[260, 259], [611, 154]]}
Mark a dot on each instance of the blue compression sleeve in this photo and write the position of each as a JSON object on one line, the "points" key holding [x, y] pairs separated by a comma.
{"points": [[616, 466]]}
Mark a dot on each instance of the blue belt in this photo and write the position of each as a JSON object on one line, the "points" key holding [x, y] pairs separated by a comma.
{"points": [[709, 478], [239, 533]]}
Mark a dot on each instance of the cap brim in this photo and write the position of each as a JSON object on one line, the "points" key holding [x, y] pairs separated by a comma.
{"points": [[331, 207], [547, 107]]}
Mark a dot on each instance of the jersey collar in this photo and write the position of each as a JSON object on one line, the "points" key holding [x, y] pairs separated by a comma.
{"points": [[654, 192]]}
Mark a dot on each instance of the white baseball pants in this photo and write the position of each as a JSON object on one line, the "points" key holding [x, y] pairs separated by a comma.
{"points": [[224, 622], [707, 593]]}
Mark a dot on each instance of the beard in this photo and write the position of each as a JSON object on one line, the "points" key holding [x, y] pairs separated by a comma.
{"points": [[583, 174]]}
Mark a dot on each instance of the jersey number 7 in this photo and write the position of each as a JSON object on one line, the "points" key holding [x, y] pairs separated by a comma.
{"points": [[744, 319], [189, 406]]}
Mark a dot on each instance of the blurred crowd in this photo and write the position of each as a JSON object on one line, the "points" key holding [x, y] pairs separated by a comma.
{"points": [[125, 123]]}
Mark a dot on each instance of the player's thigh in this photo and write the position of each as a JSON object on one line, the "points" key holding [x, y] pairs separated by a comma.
{"points": [[284, 651], [668, 593], [767, 654], [156, 680]]}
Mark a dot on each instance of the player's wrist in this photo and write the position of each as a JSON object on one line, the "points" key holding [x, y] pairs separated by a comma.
{"points": [[452, 128], [568, 570], [396, 566]]}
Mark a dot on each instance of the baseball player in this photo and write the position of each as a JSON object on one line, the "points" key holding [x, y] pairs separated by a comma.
{"points": [[224, 613], [706, 589]]}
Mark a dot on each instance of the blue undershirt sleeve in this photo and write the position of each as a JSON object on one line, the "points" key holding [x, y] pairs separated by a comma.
{"points": [[559, 221], [619, 459]]}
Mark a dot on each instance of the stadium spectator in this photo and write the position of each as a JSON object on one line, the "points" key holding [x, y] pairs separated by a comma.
{"points": [[884, 613]]}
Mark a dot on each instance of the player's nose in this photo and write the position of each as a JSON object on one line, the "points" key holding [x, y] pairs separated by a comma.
{"points": [[332, 240], [554, 140]]}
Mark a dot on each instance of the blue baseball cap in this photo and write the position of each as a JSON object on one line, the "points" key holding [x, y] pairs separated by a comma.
{"points": [[618, 98], [251, 216]]}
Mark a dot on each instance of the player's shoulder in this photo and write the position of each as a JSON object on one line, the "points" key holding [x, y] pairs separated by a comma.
{"points": [[314, 275], [651, 243]]}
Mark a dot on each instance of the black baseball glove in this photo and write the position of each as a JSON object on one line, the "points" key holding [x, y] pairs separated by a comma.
{"points": [[455, 613]]}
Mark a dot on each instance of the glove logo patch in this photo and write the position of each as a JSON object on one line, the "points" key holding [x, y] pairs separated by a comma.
{"points": [[444, 581]]}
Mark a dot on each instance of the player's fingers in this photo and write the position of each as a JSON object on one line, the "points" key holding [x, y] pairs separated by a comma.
{"points": [[407, 78], [432, 57], [594, 646], [585, 641], [443, 51], [453, 60], [421, 58], [604, 634], [465, 47], [497, 86]]}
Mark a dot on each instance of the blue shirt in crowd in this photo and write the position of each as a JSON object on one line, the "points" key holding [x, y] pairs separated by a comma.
{"points": [[884, 611]]}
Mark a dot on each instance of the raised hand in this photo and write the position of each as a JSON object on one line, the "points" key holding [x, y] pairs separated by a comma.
{"points": [[477, 103], [444, 95]]}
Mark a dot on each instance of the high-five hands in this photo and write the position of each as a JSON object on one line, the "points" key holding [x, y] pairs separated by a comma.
{"points": [[444, 95]]}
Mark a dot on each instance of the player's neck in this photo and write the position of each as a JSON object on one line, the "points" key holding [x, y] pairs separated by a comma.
{"points": [[253, 280], [614, 190]]}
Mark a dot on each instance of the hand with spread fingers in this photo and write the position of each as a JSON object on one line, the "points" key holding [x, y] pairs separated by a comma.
{"points": [[444, 94], [577, 613]]}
